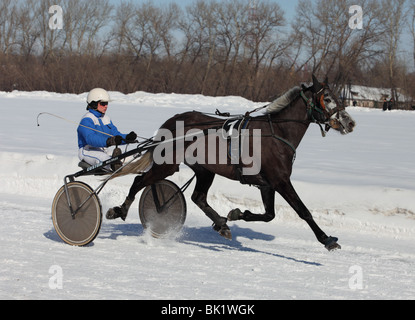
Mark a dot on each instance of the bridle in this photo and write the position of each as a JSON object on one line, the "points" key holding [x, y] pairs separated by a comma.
{"points": [[316, 104]]}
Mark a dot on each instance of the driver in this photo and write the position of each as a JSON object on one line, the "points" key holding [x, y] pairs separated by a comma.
{"points": [[96, 132]]}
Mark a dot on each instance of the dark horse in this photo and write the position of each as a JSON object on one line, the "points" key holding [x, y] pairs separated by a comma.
{"points": [[282, 126]]}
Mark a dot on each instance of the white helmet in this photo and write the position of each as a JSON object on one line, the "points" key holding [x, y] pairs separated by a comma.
{"points": [[98, 94]]}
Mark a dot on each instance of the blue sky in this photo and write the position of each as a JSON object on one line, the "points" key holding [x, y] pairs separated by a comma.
{"points": [[288, 6]]}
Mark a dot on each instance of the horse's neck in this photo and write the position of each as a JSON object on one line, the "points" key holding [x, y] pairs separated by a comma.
{"points": [[297, 110], [292, 122]]}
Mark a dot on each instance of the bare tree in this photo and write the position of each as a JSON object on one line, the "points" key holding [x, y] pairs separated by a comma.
{"points": [[395, 19], [8, 26], [48, 38], [230, 47], [204, 23], [83, 21], [28, 32], [328, 42], [233, 23], [262, 43], [412, 25]]}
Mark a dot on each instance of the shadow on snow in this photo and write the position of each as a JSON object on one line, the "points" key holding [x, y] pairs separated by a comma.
{"points": [[202, 237]]}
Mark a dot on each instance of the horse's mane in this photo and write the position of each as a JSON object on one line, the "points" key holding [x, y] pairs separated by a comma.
{"points": [[283, 101]]}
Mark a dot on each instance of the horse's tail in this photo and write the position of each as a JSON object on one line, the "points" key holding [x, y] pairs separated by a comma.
{"points": [[139, 166]]}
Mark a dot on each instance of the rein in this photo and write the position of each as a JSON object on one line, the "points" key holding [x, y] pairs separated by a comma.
{"points": [[311, 105]]}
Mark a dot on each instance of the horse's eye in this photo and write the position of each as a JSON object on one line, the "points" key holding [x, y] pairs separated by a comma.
{"points": [[327, 100]]}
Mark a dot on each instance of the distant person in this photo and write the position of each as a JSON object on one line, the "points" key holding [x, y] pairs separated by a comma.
{"points": [[96, 132], [390, 104], [385, 105]]}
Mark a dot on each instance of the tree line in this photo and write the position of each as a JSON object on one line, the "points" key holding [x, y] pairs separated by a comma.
{"points": [[234, 47]]}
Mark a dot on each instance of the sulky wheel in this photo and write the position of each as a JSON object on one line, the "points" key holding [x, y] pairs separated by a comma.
{"points": [[162, 208], [79, 226]]}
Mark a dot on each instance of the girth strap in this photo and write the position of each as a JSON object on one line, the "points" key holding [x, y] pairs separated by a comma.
{"points": [[273, 135]]}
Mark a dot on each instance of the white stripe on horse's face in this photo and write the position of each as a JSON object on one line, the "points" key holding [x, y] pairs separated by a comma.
{"points": [[341, 121]]}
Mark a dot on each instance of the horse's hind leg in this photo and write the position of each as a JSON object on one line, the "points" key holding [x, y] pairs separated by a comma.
{"points": [[155, 174], [122, 211], [268, 199], [199, 197]]}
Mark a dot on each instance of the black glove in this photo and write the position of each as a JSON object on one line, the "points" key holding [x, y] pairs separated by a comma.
{"points": [[131, 137], [114, 141]]}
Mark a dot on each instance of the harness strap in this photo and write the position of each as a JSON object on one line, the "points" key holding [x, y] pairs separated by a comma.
{"points": [[311, 106], [273, 135]]}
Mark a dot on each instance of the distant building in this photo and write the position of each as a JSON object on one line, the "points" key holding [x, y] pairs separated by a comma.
{"points": [[369, 97]]}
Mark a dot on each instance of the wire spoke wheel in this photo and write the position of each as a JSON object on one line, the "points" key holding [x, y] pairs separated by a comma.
{"points": [[162, 209], [82, 227]]}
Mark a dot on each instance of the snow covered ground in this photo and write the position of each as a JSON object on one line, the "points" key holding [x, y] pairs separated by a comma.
{"points": [[360, 188]]}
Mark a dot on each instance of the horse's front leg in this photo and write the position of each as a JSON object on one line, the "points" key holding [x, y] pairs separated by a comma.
{"points": [[288, 192], [268, 199]]}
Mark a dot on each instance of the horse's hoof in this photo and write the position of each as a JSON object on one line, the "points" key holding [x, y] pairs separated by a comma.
{"points": [[235, 214], [115, 213], [331, 244], [224, 231], [111, 214]]}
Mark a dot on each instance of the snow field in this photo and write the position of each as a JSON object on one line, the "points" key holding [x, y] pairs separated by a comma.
{"points": [[359, 188]]}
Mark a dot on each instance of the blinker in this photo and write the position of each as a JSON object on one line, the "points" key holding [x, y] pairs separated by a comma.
{"points": [[322, 104]]}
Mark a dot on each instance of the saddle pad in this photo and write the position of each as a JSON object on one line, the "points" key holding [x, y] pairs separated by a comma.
{"points": [[231, 131], [232, 127]]}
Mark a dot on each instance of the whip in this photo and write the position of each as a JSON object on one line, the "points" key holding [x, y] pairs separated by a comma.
{"points": [[74, 122], [70, 121]]}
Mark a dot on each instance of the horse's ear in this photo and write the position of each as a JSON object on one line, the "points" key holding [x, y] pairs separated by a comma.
{"points": [[316, 84], [326, 81], [315, 81]]}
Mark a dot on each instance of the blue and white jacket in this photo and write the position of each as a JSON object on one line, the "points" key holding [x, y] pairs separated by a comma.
{"points": [[97, 121]]}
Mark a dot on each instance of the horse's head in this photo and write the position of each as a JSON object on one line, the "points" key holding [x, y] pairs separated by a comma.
{"points": [[329, 110]]}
